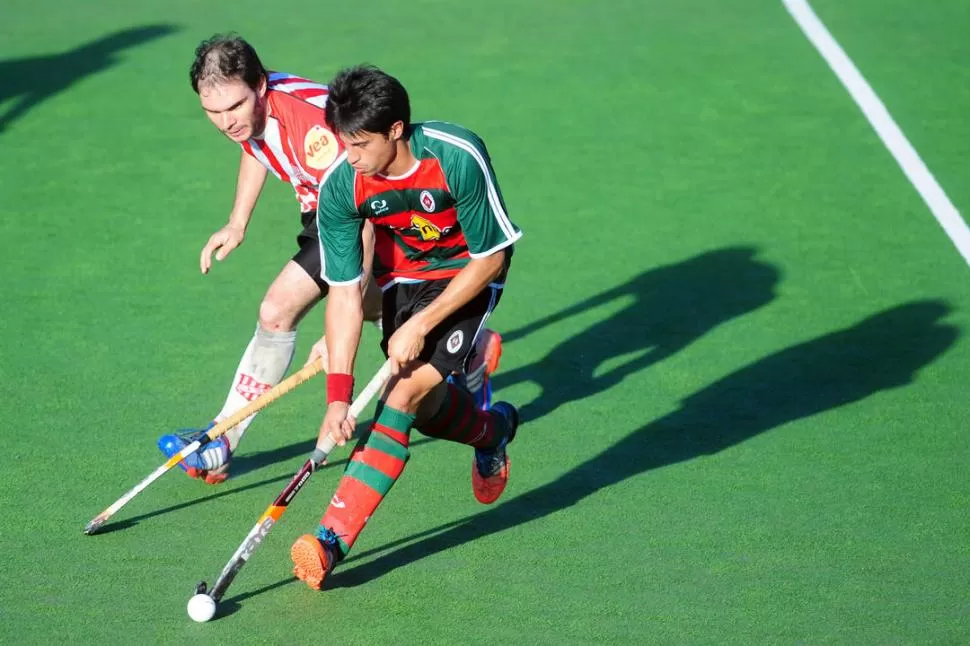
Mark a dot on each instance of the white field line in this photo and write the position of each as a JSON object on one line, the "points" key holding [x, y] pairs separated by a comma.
{"points": [[884, 125]]}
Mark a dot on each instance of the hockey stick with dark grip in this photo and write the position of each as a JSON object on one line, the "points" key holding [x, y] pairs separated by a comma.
{"points": [[275, 510]]}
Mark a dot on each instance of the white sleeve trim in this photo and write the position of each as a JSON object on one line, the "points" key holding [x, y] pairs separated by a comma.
{"points": [[496, 248], [342, 283]]}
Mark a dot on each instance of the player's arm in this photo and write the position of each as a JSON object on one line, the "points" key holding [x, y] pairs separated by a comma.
{"points": [[342, 264], [345, 314], [249, 184], [344, 317]]}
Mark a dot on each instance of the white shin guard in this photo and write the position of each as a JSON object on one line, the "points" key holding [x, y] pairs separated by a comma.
{"points": [[263, 364]]}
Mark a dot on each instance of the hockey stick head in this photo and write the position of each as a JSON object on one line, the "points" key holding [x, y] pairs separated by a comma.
{"points": [[95, 524]]}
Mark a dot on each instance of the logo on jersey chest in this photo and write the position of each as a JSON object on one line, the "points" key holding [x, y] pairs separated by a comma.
{"points": [[427, 230], [320, 148], [427, 201]]}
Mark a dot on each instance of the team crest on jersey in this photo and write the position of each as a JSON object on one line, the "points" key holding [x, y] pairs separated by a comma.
{"points": [[427, 230], [320, 147], [455, 341], [427, 201]]}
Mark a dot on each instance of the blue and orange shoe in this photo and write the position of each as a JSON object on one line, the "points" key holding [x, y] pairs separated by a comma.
{"points": [[210, 463], [490, 468], [314, 557], [484, 362]]}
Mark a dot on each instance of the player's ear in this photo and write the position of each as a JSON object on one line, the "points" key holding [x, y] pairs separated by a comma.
{"points": [[396, 131], [261, 88]]}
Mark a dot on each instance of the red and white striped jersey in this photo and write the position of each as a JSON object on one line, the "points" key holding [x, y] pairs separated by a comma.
{"points": [[296, 146]]}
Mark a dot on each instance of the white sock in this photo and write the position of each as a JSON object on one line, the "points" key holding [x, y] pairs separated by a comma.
{"points": [[266, 360]]}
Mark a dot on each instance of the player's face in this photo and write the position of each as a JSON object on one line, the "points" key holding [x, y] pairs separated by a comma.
{"points": [[372, 153], [235, 108]]}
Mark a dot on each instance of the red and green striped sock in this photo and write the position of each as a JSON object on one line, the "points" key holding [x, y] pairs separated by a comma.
{"points": [[373, 468], [460, 420]]}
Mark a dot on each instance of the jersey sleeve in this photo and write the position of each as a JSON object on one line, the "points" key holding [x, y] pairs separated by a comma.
{"points": [[339, 227], [481, 209]]}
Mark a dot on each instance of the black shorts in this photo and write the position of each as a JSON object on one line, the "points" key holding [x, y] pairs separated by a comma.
{"points": [[448, 345], [308, 256]]}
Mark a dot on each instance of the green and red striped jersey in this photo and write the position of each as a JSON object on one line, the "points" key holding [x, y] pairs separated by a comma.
{"points": [[428, 222]]}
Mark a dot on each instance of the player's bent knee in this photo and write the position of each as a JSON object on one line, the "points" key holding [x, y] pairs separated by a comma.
{"points": [[407, 396], [275, 316], [403, 401]]}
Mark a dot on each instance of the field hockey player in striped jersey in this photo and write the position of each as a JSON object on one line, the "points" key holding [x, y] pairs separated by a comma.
{"points": [[443, 246]]}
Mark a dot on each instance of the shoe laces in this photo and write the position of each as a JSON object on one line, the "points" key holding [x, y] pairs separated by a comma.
{"points": [[489, 462], [329, 538]]}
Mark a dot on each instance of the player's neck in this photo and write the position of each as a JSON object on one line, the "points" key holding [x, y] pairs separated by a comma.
{"points": [[404, 161], [264, 113]]}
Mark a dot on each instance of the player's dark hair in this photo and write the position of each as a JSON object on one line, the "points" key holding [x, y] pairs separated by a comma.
{"points": [[225, 57], [366, 99]]}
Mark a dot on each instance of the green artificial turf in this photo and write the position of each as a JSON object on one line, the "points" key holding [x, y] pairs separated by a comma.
{"points": [[733, 327]]}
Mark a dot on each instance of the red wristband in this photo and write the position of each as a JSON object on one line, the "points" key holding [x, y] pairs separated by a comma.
{"points": [[340, 388]]}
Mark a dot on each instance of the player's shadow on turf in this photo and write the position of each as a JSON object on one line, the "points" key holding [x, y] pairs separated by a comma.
{"points": [[882, 352], [249, 463], [26, 82], [669, 308]]}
